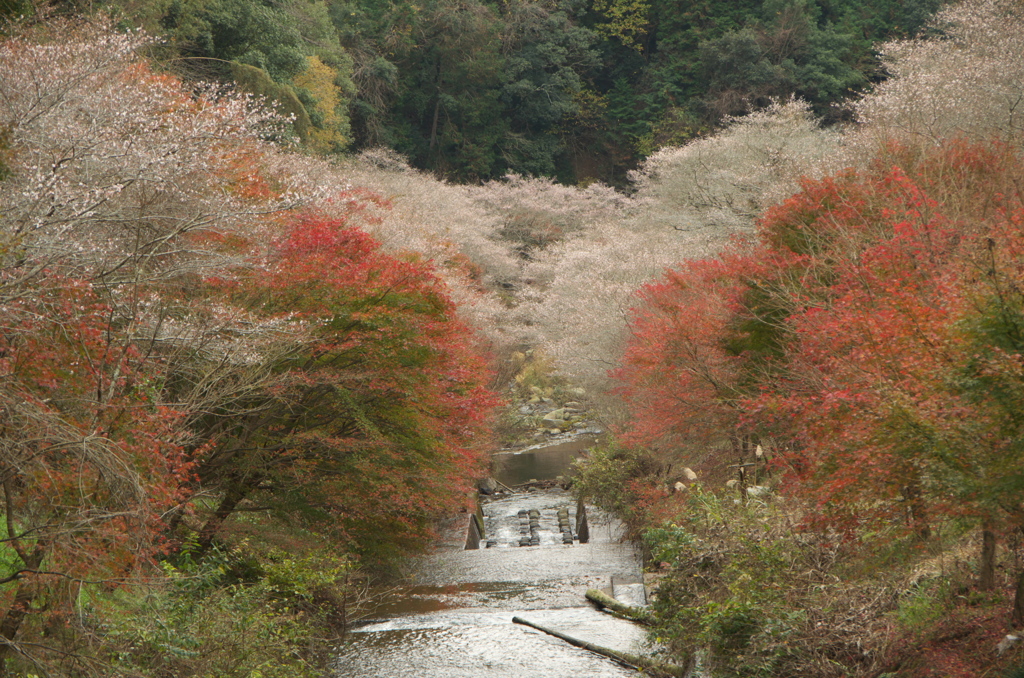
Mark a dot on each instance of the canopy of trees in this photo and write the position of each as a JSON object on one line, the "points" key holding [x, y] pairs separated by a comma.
{"points": [[571, 89], [868, 326]]}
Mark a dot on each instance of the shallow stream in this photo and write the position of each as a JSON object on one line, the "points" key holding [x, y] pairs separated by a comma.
{"points": [[454, 618]]}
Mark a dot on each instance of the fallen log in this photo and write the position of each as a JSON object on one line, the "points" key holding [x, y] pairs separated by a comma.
{"points": [[651, 666], [504, 485], [602, 599]]}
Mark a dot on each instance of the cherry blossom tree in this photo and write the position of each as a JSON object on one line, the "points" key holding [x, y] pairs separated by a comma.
{"points": [[115, 163], [963, 78]]}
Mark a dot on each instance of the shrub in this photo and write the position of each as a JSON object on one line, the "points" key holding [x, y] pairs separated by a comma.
{"points": [[760, 596], [229, 614]]}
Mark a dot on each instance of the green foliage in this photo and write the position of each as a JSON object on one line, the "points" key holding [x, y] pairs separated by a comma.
{"points": [[319, 88], [739, 74], [623, 20], [668, 542], [656, 75], [921, 609], [257, 81], [287, 52], [246, 31], [560, 88], [549, 56], [621, 480], [729, 583], [450, 117], [603, 476], [786, 51], [13, 9], [468, 89], [230, 614], [767, 598]]}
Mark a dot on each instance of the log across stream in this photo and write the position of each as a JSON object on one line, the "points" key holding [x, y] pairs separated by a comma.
{"points": [[455, 616]]}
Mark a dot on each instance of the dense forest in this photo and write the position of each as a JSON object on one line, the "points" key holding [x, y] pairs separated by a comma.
{"points": [[270, 273], [579, 91]]}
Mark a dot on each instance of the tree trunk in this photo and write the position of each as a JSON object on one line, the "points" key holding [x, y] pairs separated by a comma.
{"points": [[231, 499], [1018, 600], [433, 125], [741, 473], [916, 512], [987, 570], [601, 599], [11, 623], [16, 613], [650, 666], [27, 591], [437, 106]]}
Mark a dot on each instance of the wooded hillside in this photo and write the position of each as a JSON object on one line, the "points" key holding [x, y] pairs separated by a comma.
{"points": [[579, 90]]}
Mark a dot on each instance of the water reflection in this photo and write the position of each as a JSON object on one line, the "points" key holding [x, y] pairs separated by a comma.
{"points": [[543, 463]]}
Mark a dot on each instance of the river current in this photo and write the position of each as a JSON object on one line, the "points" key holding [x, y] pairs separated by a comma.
{"points": [[453, 618]]}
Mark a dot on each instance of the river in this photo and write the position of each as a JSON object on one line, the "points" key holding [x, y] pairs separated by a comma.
{"points": [[453, 618]]}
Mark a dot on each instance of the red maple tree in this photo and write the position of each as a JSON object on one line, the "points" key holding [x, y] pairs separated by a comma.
{"points": [[372, 411]]}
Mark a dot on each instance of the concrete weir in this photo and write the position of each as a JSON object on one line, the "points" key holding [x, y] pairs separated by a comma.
{"points": [[475, 533], [531, 526]]}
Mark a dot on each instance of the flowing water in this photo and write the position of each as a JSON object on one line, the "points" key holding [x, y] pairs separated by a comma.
{"points": [[454, 618]]}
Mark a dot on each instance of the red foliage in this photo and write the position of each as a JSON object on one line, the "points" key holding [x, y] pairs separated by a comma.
{"points": [[90, 460], [679, 379], [379, 407], [871, 332], [878, 342]]}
